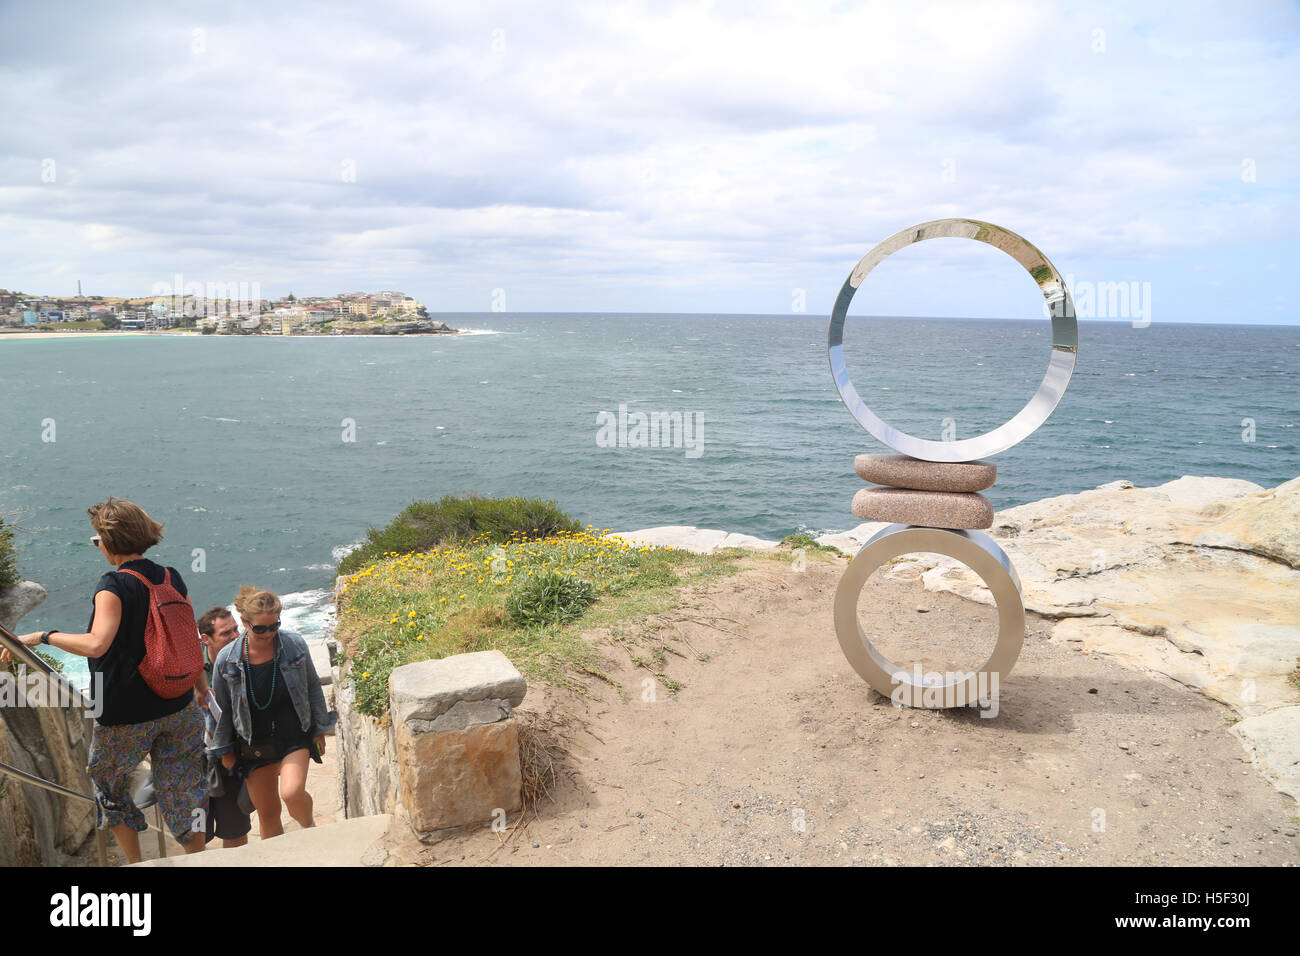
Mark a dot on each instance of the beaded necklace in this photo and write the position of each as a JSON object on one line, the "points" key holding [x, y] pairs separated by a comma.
{"points": [[248, 673]]}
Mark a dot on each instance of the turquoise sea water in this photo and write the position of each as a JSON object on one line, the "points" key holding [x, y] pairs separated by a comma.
{"points": [[238, 444]]}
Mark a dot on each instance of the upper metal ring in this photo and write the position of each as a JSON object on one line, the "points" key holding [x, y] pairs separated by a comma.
{"points": [[1065, 343]]}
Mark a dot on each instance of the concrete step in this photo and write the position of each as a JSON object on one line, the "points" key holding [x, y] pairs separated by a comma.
{"points": [[355, 842]]}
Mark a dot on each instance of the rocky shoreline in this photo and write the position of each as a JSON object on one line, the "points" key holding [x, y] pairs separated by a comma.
{"points": [[1197, 580]]}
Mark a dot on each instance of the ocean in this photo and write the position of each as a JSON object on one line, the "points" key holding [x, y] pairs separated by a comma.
{"points": [[266, 458]]}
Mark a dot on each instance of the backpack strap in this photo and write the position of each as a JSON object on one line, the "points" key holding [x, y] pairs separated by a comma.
{"points": [[143, 580]]}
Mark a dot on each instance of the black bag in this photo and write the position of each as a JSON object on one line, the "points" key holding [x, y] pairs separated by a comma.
{"points": [[259, 751], [216, 786]]}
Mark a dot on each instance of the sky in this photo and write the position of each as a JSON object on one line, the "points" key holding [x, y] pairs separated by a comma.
{"points": [[657, 157]]}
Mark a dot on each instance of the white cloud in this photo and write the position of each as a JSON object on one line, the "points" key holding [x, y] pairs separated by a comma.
{"points": [[726, 149]]}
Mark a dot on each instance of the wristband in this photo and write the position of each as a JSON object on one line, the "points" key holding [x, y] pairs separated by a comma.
{"points": [[45, 637]]}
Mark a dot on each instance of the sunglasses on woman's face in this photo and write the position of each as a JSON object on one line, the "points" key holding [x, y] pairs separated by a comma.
{"points": [[94, 542], [263, 628]]}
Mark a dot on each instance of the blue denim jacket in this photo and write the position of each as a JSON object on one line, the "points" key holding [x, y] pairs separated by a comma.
{"points": [[300, 679]]}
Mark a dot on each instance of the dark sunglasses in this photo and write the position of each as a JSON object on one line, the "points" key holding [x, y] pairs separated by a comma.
{"points": [[94, 542], [263, 628]]}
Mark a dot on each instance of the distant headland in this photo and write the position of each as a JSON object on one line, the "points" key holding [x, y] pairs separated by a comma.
{"points": [[219, 309]]}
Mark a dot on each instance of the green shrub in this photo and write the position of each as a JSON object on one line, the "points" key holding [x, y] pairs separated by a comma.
{"points": [[8, 557], [550, 598], [427, 524]]}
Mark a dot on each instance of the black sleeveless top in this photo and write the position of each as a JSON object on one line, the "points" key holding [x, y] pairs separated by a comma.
{"points": [[126, 697]]}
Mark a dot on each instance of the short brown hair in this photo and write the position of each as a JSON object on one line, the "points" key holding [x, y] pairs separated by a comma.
{"points": [[208, 622], [252, 601], [124, 527]]}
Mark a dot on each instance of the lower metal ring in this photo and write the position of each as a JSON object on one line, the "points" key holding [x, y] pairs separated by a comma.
{"points": [[978, 552]]}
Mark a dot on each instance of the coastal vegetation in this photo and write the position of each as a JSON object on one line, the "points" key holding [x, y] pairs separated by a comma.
{"points": [[9, 575], [426, 524], [535, 595], [807, 542]]}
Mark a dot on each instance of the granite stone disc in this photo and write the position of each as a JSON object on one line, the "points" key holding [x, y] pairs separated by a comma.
{"points": [[926, 509], [904, 471]]}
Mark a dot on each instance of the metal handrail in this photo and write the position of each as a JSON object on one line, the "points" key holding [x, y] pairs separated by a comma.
{"points": [[44, 784], [24, 654]]}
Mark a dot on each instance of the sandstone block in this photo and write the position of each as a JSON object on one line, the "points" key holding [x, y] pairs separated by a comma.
{"points": [[929, 509], [457, 777], [427, 689], [904, 471]]}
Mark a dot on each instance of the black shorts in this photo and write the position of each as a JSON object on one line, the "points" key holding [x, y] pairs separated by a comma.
{"points": [[227, 819]]}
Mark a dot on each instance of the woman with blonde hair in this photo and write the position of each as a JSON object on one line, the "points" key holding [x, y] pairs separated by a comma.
{"points": [[273, 716]]}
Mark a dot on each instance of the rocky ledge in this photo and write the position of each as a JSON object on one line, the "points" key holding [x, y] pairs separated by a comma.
{"points": [[417, 327], [1197, 580]]}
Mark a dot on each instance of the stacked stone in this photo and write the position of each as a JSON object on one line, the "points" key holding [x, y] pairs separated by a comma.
{"points": [[927, 494]]}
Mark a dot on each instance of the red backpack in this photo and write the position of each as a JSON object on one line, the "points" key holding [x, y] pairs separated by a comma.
{"points": [[172, 659]]}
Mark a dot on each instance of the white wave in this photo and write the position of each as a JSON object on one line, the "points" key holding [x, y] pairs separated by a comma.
{"points": [[339, 552], [207, 419], [309, 613], [480, 332]]}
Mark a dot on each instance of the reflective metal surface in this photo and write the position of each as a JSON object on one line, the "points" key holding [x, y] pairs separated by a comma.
{"points": [[1065, 343], [978, 552]]}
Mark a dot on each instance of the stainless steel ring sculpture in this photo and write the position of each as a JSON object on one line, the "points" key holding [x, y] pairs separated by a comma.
{"points": [[974, 548], [978, 552], [1065, 343]]}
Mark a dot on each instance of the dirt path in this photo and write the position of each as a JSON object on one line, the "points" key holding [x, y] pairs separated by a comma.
{"points": [[775, 751]]}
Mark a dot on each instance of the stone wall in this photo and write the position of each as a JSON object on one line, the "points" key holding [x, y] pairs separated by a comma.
{"points": [[368, 772], [38, 827]]}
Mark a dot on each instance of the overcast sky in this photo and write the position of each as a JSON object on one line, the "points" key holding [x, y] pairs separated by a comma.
{"points": [[653, 157]]}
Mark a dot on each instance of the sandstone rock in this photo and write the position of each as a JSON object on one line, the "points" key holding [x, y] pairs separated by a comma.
{"points": [[368, 774], [463, 715], [929, 509], [904, 471], [38, 827], [1266, 523], [458, 777], [851, 541], [696, 540], [1170, 580], [1271, 738], [18, 600], [424, 690]]}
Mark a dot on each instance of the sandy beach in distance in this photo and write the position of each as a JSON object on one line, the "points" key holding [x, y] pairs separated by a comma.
{"points": [[81, 334]]}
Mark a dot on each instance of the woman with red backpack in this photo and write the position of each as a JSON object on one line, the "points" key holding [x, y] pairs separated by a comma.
{"points": [[144, 659]]}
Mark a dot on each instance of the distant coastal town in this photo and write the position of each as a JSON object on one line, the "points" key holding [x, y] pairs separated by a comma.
{"points": [[226, 309]]}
